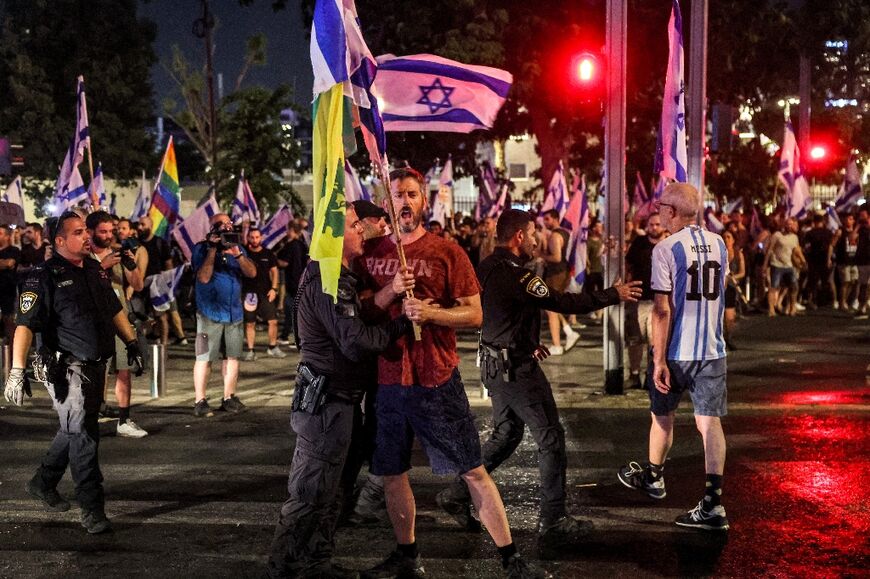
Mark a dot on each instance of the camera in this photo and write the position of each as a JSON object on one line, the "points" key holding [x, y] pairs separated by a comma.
{"points": [[226, 238], [130, 244]]}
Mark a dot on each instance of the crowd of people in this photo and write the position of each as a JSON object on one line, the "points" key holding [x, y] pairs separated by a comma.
{"points": [[379, 365]]}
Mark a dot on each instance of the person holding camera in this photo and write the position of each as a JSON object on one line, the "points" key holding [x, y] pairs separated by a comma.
{"points": [[219, 263], [338, 351], [126, 275], [70, 301]]}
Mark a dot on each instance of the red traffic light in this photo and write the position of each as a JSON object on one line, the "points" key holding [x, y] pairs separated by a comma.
{"points": [[818, 152], [585, 70]]}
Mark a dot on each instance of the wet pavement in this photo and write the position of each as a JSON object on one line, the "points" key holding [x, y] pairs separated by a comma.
{"points": [[199, 497]]}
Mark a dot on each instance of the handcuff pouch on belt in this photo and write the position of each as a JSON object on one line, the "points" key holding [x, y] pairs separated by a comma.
{"points": [[310, 393], [495, 361], [48, 368]]}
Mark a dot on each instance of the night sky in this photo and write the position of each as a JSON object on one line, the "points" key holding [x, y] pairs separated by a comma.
{"points": [[287, 59]]}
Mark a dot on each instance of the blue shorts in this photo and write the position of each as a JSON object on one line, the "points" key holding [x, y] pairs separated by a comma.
{"points": [[705, 382], [782, 276], [440, 417]]}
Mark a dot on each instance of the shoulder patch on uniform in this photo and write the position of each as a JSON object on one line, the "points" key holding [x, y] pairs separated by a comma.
{"points": [[26, 301], [537, 287], [525, 277]]}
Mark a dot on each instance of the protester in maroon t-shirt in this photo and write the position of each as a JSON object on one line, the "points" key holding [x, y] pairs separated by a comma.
{"points": [[420, 390]]}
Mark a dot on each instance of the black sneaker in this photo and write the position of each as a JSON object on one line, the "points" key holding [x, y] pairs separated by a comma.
{"points": [[233, 405], [634, 382], [51, 499], [563, 532], [459, 509], [396, 565], [107, 412], [202, 409], [518, 568], [95, 521], [636, 477], [698, 518]]}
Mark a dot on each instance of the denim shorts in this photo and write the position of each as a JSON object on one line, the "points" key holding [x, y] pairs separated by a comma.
{"points": [[782, 276], [705, 382], [440, 417]]}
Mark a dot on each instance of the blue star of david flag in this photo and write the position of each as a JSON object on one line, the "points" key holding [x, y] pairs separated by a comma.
{"points": [[671, 156], [850, 192], [423, 92]]}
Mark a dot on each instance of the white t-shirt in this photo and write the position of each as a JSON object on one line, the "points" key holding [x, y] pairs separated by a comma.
{"points": [[691, 266], [781, 247]]}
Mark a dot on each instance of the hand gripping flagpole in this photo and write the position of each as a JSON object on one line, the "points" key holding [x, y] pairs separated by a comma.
{"points": [[385, 179]]}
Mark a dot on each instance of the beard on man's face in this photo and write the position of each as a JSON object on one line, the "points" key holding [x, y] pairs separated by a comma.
{"points": [[408, 220], [100, 242]]}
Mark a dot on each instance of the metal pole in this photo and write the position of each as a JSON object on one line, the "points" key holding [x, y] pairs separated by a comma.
{"points": [[614, 161], [804, 86], [7, 361], [697, 94], [158, 370]]}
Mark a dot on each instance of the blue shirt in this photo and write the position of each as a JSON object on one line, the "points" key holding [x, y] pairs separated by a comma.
{"points": [[220, 300]]}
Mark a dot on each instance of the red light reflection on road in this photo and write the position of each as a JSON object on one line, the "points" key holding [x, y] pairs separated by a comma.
{"points": [[825, 397]]}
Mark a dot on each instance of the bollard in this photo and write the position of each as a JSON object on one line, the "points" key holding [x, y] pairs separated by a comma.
{"points": [[484, 393], [7, 361], [158, 370]]}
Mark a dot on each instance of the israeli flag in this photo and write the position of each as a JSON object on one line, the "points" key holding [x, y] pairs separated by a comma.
{"points": [[557, 193], [143, 200], [424, 92], [487, 192], [797, 190], [276, 229], [70, 187], [441, 207], [578, 223], [194, 229], [671, 155], [245, 205], [14, 193], [355, 190], [834, 223], [98, 186], [712, 222], [162, 287], [499, 206], [850, 192]]}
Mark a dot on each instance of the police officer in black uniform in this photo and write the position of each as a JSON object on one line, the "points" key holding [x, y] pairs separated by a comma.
{"points": [[512, 300], [69, 299], [338, 362]]}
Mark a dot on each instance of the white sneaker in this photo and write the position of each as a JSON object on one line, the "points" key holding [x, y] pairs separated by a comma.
{"points": [[131, 430], [556, 350], [282, 342], [800, 307], [571, 339], [276, 352]]}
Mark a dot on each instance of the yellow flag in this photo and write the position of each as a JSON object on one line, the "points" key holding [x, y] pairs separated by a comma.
{"points": [[331, 121]]}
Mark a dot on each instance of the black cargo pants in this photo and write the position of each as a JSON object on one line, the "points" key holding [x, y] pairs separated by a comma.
{"points": [[77, 441], [527, 400], [305, 534]]}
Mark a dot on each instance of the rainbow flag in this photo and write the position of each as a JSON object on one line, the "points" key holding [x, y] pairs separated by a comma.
{"points": [[166, 200]]}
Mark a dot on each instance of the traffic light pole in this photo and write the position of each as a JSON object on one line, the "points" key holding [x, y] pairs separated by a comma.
{"points": [[697, 95], [616, 48]]}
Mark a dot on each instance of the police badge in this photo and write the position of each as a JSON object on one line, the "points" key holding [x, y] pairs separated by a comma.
{"points": [[26, 302], [538, 288]]}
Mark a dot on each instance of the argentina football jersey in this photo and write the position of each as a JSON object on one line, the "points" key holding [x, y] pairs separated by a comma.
{"points": [[691, 266]]}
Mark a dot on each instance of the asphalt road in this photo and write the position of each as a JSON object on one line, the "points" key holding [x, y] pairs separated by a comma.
{"points": [[199, 497]]}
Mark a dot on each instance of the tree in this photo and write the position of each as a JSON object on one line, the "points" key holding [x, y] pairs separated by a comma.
{"points": [[45, 46], [253, 139]]}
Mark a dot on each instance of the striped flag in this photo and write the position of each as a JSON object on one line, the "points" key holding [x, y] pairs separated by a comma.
{"points": [[501, 204], [245, 205], [98, 187], [342, 67], [487, 193], [755, 227], [577, 217], [834, 223], [14, 193], [275, 230], [194, 229], [712, 222], [850, 192], [640, 196], [70, 187], [424, 92], [163, 285], [557, 193], [671, 155], [356, 190], [143, 200], [797, 190], [166, 199], [441, 208]]}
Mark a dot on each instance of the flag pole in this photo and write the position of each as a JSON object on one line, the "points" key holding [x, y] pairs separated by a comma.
{"points": [[385, 179], [94, 199]]}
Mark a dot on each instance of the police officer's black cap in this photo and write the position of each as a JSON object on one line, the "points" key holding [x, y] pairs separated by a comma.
{"points": [[368, 209]]}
